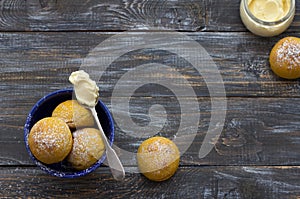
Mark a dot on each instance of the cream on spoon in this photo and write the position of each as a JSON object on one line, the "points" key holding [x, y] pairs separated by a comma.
{"points": [[87, 94], [86, 90]]}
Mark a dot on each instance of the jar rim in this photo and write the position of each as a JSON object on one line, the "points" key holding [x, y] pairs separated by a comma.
{"points": [[270, 23]]}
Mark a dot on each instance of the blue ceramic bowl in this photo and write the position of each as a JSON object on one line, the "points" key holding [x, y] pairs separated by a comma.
{"points": [[43, 108]]}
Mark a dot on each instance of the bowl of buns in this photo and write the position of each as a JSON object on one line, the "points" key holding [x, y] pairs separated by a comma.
{"points": [[62, 138]]}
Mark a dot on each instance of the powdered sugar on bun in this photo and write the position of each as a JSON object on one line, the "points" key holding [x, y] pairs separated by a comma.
{"points": [[50, 140], [88, 147], [285, 58]]}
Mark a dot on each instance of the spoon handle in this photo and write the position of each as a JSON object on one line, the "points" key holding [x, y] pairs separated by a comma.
{"points": [[113, 160]]}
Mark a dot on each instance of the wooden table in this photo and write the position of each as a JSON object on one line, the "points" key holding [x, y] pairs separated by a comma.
{"points": [[258, 152]]}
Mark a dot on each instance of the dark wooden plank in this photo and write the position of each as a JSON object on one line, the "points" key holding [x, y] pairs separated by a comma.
{"points": [[44, 60], [69, 15], [257, 131], [188, 182], [224, 16]]}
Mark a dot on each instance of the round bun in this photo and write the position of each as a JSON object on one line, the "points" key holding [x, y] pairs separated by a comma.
{"points": [[75, 115], [158, 158], [50, 140], [285, 58], [88, 147]]}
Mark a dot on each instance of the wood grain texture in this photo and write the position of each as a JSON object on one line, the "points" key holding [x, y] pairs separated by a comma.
{"points": [[257, 131], [201, 182], [44, 60], [74, 15], [92, 15], [262, 119], [257, 153]]}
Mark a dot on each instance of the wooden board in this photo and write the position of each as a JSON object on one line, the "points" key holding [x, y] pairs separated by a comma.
{"points": [[35, 64], [257, 154], [188, 182], [52, 15], [43, 61], [257, 131], [92, 15]]}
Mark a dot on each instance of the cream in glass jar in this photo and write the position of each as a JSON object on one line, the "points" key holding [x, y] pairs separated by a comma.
{"points": [[267, 17]]}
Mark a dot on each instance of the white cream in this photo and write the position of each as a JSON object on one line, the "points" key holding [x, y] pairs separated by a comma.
{"points": [[269, 10], [267, 17], [86, 90]]}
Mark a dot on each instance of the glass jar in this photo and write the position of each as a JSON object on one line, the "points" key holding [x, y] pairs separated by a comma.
{"points": [[267, 28]]}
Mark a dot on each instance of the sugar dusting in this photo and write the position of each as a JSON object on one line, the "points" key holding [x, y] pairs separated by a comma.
{"points": [[161, 155], [53, 138], [50, 138], [289, 53], [88, 147]]}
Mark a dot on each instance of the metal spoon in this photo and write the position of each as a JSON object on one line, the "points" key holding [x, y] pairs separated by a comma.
{"points": [[113, 160], [87, 94]]}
